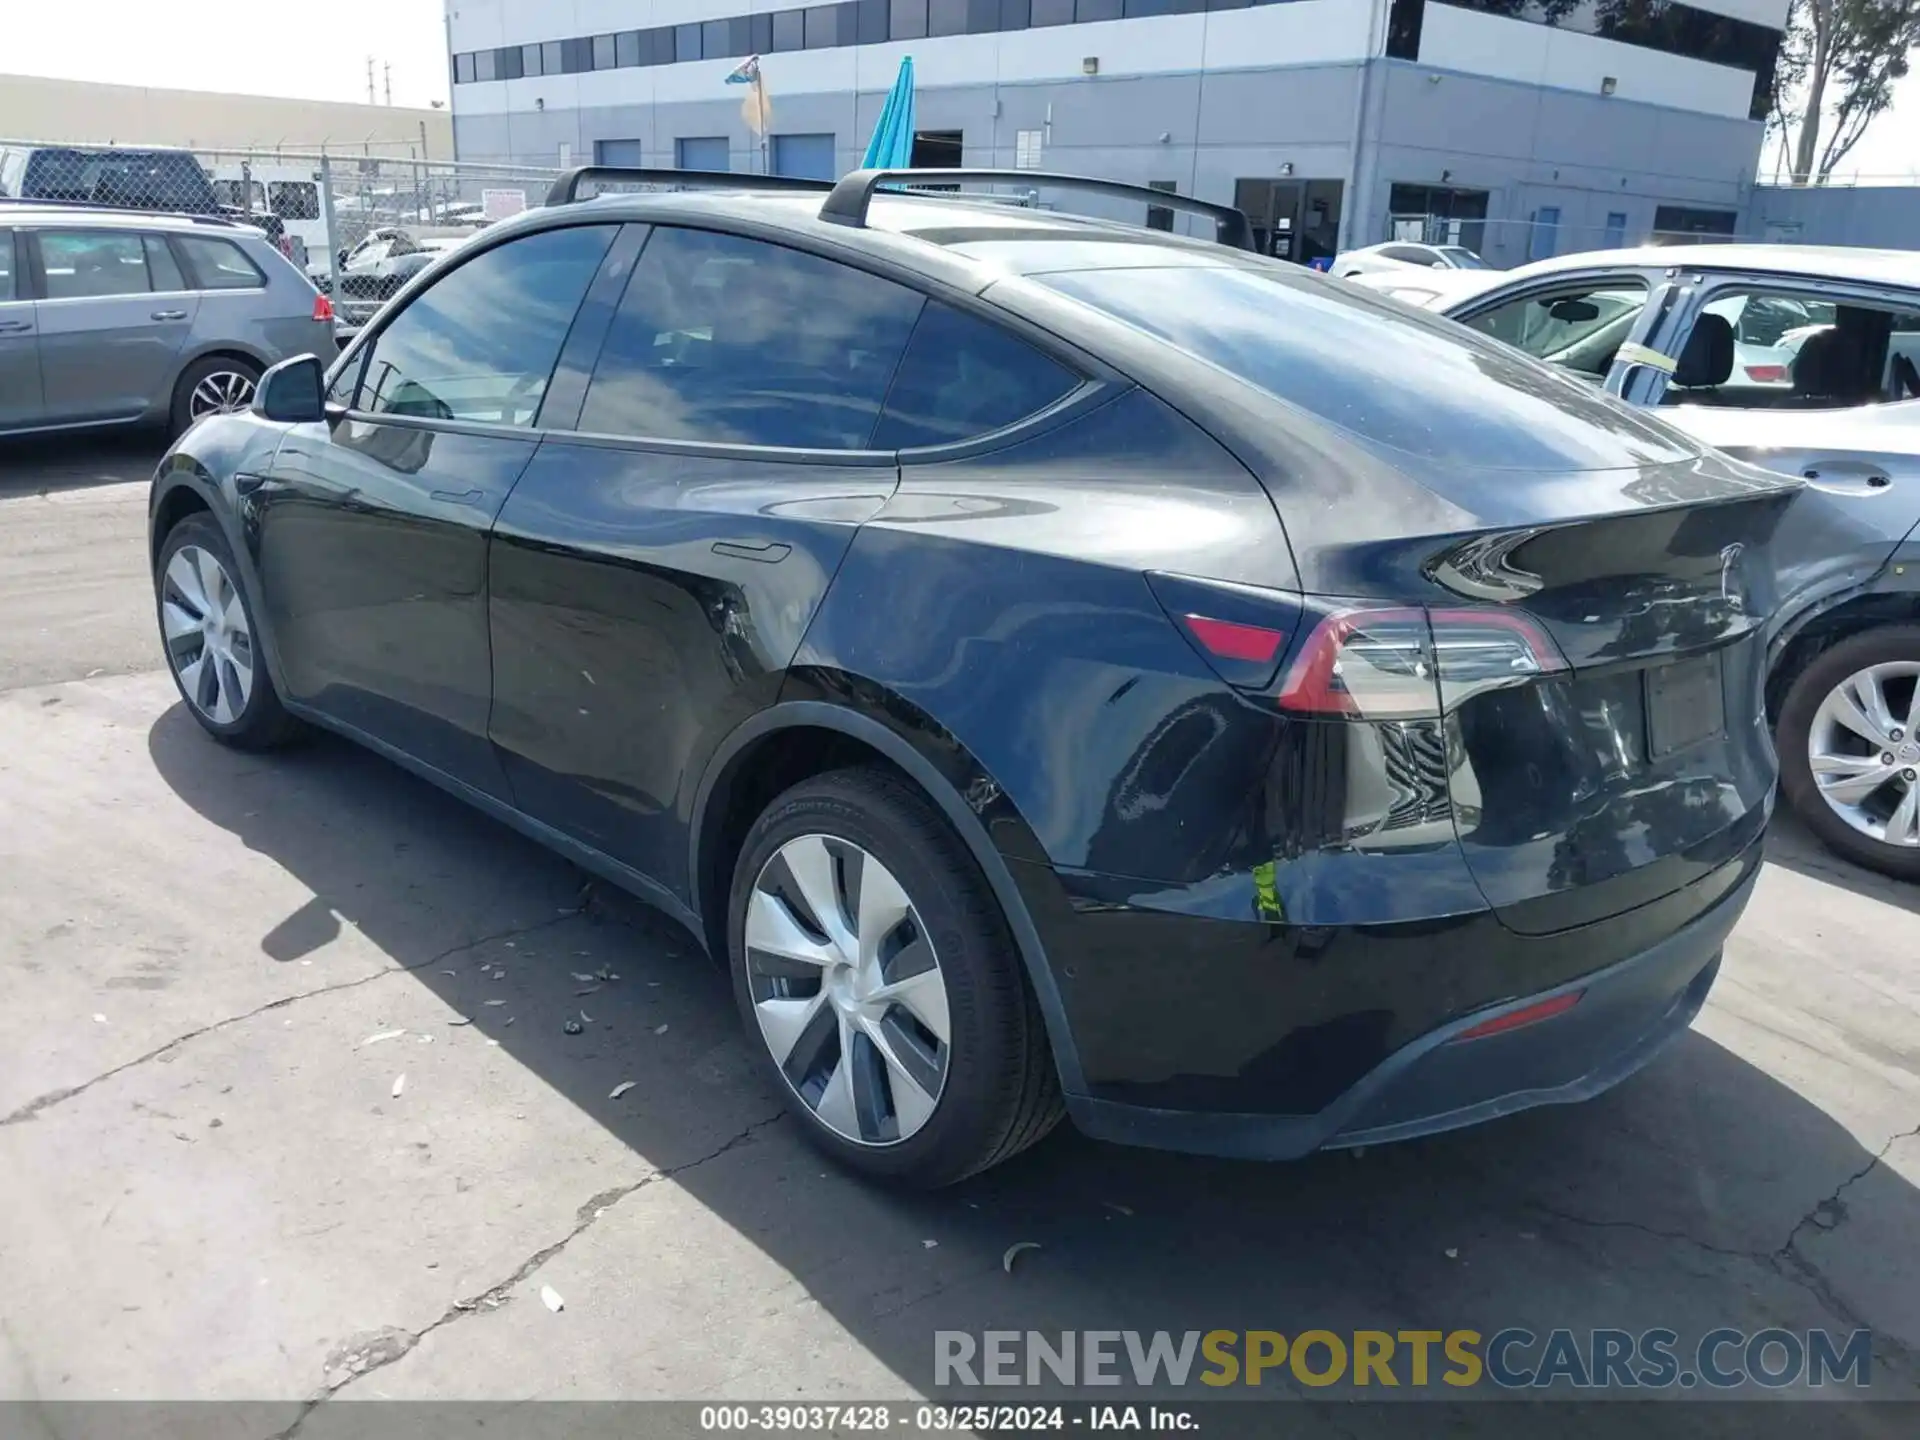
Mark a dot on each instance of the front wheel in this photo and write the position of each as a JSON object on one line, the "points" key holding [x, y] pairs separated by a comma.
{"points": [[880, 987], [1849, 757], [208, 631]]}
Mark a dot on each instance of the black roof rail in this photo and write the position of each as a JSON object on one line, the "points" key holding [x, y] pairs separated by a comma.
{"points": [[566, 189], [847, 205], [34, 202]]}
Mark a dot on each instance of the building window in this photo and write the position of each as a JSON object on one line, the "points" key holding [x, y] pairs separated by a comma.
{"points": [[550, 61], [871, 27], [1016, 14], [702, 152], [1685, 224], [463, 69], [658, 44], [604, 57], [686, 42], [1160, 217], [789, 30], [1052, 12], [530, 60], [1088, 10], [740, 30], [823, 27], [507, 66], [485, 64], [576, 56], [946, 17], [907, 19], [713, 40], [1616, 235], [1545, 236]]}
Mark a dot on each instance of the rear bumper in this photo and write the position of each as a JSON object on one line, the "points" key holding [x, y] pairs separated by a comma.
{"points": [[1439, 1081]]}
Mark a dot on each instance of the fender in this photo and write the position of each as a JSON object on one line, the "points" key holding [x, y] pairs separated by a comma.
{"points": [[963, 812], [1897, 575]]}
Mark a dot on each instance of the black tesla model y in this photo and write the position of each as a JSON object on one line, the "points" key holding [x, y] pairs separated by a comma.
{"points": [[1060, 667]]}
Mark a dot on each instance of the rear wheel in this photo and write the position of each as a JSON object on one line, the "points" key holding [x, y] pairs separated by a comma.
{"points": [[1849, 757], [208, 630], [880, 987], [216, 385]]}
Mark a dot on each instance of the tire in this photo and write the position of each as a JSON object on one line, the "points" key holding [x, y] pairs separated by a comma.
{"points": [[996, 1091], [234, 700], [219, 371], [1803, 727]]}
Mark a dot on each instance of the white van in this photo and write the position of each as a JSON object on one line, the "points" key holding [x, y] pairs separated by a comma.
{"points": [[289, 190]]}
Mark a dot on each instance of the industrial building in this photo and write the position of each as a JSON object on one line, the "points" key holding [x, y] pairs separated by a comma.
{"points": [[1519, 127]]}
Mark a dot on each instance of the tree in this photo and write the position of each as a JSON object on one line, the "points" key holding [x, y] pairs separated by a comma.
{"points": [[1839, 61]]}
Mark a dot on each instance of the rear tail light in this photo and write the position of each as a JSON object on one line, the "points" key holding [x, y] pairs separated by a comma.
{"points": [[286, 246], [322, 308], [1227, 640], [1768, 374], [1405, 663]]}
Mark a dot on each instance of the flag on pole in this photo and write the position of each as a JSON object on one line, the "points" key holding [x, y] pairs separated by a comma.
{"points": [[754, 109]]}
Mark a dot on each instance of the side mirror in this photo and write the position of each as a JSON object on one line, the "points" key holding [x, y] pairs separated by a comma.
{"points": [[292, 392]]}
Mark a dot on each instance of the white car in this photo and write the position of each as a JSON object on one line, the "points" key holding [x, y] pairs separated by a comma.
{"points": [[1399, 256]]}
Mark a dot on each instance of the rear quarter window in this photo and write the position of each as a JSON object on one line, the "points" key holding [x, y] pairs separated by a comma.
{"points": [[1387, 376], [218, 264]]}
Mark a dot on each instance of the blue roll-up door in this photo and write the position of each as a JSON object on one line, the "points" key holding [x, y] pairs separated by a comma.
{"points": [[702, 152], [810, 157]]}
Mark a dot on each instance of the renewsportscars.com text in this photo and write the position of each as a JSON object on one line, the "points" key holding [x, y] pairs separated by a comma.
{"points": [[1509, 1359]]}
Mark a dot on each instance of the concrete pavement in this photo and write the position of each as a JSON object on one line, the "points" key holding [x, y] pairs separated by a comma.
{"points": [[216, 969]]}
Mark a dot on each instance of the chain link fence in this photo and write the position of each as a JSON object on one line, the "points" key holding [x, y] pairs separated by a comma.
{"points": [[358, 224]]}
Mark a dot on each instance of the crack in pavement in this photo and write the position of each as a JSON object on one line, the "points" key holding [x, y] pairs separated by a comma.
{"points": [[1831, 1205], [34, 1107], [398, 1344], [1679, 1237]]}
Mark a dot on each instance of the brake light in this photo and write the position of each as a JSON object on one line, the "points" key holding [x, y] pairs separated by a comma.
{"points": [[1768, 374], [1225, 640], [286, 246], [322, 308], [1525, 1015], [1406, 663]]}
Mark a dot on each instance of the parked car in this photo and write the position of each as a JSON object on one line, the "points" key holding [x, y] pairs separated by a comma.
{"points": [[288, 192], [109, 175], [374, 270], [1805, 360], [112, 318], [1052, 665], [1398, 255]]}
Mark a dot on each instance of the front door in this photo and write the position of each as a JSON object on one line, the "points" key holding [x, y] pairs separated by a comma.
{"points": [[19, 347], [370, 529], [114, 313]]}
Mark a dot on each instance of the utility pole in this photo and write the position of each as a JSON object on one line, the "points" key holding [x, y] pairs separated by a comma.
{"points": [[387, 73], [370, 99]]}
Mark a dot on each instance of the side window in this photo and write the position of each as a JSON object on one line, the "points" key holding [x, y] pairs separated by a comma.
{"points": [[294, 199], [735, 341], [82, 264], [962, 377], [1791, 349], [219, 264], [1578, 328], [480, 343], [7, 285], [162, 269]]}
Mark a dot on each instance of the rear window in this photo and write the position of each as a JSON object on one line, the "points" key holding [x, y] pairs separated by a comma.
{"points": [[1385, 375]]}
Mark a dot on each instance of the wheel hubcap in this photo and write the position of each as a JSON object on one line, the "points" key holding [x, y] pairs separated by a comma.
{"points": [[225, 392], [209, 644], [849, 994], [1863, 753]]}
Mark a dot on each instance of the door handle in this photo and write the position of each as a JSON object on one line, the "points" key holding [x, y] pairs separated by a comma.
{"points": [[459, 497], [169, 314], [15, 327]]}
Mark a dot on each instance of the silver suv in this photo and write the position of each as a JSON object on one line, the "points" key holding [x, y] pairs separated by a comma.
{"points": [[116, 318]]}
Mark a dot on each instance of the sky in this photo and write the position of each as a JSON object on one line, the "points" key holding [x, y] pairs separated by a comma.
{"points": [[319, 51], [311, 51]]}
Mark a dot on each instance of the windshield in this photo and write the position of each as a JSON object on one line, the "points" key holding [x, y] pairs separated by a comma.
{"points": [[1383, 374], [1463, 258]]}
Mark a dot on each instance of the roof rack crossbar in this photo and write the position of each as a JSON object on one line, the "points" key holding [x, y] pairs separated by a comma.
{"points": [[566, 189], [30, 202], [848, 203]]}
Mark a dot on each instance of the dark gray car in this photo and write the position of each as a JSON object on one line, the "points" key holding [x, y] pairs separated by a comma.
{"points": [[116, 318]]}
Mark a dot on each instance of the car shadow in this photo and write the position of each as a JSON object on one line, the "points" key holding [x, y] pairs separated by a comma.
{"points": [[1702, 1193], [44, 464], [1793, 845]]}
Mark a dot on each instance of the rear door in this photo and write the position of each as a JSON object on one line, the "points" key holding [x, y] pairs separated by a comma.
{"points": [[653, 574], [19, 345], [114, 313]]}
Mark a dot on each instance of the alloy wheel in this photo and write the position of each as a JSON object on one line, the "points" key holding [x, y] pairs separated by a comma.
{"points": [[1864, 754], [224, 392], [847, 989], [209, 644]]}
